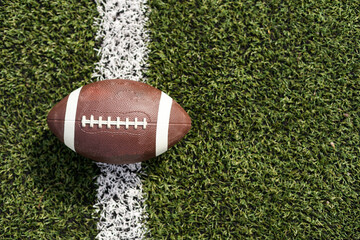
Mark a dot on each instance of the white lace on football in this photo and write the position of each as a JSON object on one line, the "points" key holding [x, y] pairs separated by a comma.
{"points": [[108, 122], [123, 53]]}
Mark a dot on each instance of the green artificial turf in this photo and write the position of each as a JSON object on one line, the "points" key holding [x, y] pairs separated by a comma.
{"points": [[273, 92], [46, 191]]}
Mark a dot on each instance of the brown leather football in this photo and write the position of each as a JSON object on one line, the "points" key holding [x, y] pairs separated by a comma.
{"points": [[118, 121]]}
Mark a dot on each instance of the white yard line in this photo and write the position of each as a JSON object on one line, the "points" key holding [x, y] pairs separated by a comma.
{"points": [[120, 200]]}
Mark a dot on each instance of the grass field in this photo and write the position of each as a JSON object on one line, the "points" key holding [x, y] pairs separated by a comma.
{"points": [[273, 92], [46, 190]]}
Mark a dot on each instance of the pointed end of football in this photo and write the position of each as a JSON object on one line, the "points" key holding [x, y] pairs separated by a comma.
{"points": [[56, 117], [180, 124]]}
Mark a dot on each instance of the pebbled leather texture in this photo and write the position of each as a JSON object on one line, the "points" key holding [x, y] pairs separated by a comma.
{"points": [[124, 99]]}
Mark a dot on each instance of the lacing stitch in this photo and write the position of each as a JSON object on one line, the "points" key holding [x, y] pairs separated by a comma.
{"points": [[110, 123]]}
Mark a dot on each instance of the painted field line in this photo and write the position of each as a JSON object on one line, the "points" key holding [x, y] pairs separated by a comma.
{"points": [[123, 52]]}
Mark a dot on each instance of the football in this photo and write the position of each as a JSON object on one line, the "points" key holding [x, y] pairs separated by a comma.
{"points": [[118, 121]]}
